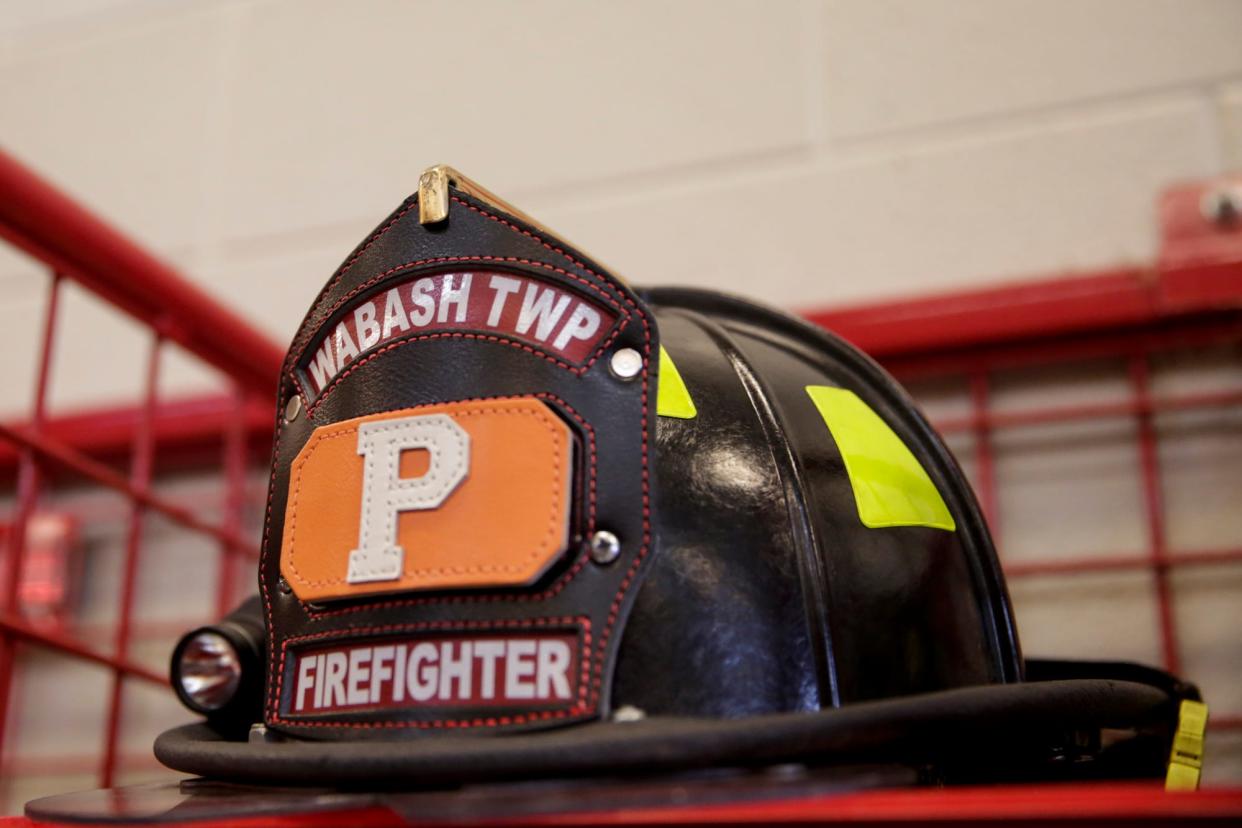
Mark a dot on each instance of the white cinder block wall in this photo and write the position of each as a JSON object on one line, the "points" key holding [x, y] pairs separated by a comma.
{"points": [[901, 148], [904, 146]]}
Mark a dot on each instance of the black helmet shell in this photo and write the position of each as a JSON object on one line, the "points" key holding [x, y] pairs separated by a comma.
{"points": [[767, 592], [769, 556]]}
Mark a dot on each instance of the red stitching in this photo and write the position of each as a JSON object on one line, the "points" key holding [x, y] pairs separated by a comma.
{"points": [[533, 237], [619, 325], [614, 611], [463, 624], [267, 531], [608, 297], [552, 590], [375, 236], [545, 419], [590, 430], [499, 340], [583, 624], [500, 721], [646, 542]]}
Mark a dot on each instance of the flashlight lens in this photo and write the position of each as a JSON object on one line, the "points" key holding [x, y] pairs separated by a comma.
{"points": [[209, 671]]}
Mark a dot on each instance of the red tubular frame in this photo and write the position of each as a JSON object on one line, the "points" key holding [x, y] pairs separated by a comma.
{"points": [[27, 495], [1191, 296], [52, 228], [74, 244], [141, 469]]}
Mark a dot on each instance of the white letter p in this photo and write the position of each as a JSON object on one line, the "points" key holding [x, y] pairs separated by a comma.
{"points": [[386, 494]]}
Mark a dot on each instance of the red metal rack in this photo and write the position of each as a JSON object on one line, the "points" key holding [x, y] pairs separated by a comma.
{"points": [[1189, 297], [76, 245]]}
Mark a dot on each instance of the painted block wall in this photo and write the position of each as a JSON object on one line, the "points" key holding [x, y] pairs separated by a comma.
{"points": [[893, 148], [898, 147]]}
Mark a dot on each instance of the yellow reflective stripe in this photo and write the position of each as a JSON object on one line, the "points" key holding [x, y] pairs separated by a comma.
{"points": [[890, 487], [672, 398], [1186, 757]]}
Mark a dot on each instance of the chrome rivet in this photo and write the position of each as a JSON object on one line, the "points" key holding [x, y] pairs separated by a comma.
{"points": [[283, 586], [628, 713], [626, 363], [605, 548], [293, 408]]}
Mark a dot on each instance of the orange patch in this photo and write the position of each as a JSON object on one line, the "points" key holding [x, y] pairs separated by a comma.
{"points": [[502, 526]]}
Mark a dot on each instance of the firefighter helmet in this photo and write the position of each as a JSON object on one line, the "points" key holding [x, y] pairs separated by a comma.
{"points": [[526, 520]]}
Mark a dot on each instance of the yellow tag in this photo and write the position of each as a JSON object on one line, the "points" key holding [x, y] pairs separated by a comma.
{"points": [[672, 398], [890, 487], [1186, 757]]}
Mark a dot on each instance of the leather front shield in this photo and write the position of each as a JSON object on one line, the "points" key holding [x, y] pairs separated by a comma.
{"points": [[458, 441]]}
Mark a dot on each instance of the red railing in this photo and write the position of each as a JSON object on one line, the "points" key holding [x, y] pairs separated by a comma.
{"points": [[1190, 297], [75, 245]]}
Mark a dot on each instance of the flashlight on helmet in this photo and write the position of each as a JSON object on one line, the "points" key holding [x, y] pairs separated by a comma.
{"points": [[217, 670]]}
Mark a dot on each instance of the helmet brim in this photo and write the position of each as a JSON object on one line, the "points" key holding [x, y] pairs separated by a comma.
{"points": [[953, 728]]}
